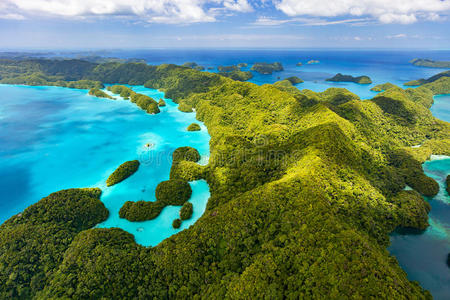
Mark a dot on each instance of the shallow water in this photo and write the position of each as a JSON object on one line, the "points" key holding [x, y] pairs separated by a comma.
{"points": [[54, 138]]}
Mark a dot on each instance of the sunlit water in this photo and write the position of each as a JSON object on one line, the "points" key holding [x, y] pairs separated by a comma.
{"points": [[54, 138]]}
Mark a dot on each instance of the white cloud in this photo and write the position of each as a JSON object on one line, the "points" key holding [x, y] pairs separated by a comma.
{"points": [[267, 21], [164, 11], [11, 16], [397, 36], [386, 11]]}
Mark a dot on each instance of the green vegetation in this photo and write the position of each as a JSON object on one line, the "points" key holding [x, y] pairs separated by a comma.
{"points": [[124, 171], [143, 101], [33, 243], [99, 93], [238, 75], [235, 73], [186, 153], [429, 80], [173, 192], [194, 127], [176, 223], [348, 78], [294, 80], [161, 103], [420, 62], [169, 192], [312, 62], [267, 68], [184, 107], [242, 65], [190, 65], [186, 211], [299, 64], [228, 68], [383, 87], [305, 188]]}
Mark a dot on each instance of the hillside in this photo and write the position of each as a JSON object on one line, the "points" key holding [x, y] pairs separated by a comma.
{"points": [[305, 188]]}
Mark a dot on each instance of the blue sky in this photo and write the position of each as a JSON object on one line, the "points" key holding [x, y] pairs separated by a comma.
{"points": [[50, 24]]}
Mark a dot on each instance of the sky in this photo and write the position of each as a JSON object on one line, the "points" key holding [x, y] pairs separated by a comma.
{"points": [[94, 24]]}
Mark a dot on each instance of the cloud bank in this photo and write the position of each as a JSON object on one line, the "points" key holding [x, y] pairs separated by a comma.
{"points": [[194, 11], [386, 11]]}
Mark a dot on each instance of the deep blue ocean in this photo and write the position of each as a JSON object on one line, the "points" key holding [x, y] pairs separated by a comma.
{"points": [[53, 138]]}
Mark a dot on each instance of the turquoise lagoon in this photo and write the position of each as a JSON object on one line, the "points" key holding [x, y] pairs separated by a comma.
{"points": [[55, 138]]}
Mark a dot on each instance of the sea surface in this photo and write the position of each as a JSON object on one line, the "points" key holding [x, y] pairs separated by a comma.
{"points": [[53, 138]]}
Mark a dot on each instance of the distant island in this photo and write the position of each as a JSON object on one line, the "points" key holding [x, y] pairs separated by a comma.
{"points": [[429, 80], [299, 64], [348, 78], [235, 73], [420, 62], [267, 68], [312, 62]]}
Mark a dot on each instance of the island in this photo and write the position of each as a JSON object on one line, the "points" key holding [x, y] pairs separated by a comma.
{"points": [[267, 68], [176, 223], [383, 87], [294, 80], [143, 101], [194, 127], [161, 102], [99, 93], [124, 171], [186, 211], [429, 80], [348, 78], [429, 63], [170, 192], [299, 64], [313, 62], [308, 182]]}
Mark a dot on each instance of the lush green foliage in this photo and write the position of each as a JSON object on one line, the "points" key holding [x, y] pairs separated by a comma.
{"points": [[420, 62], [429, 80], [348, 78], [176, 223], [305, 188], [294, 80], [267, 68], [99, 93], [169, 192], [184, 107], [383, 87], [228, 68], [238, 75], [186, 211], [124, 171], [32, 243], [186, 153], [194, 127], [173, 192], [143, 101], [161, 102]]}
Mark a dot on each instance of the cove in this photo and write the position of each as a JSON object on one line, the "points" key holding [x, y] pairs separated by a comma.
{"points": [[54, 138], [423, 255]]}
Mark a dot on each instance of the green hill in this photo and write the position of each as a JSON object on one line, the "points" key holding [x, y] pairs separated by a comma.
{"points": [[305, 188]]}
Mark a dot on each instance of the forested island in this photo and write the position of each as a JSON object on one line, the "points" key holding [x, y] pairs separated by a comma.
{"points": [[267, 68], [348, 78], [420, 62], [428, 80], [305, 188]]}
